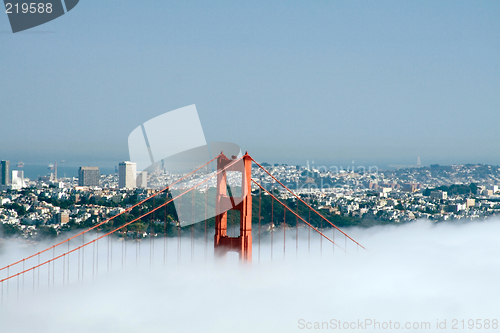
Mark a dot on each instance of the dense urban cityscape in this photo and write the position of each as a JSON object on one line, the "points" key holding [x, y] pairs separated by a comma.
{"points": [[355, 196]]}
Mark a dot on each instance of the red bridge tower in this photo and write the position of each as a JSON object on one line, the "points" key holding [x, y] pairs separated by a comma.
{"points": [[222, 242]]}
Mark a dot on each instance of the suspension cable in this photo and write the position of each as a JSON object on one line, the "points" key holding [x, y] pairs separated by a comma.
{"points": [[319, 232], [314, 210], [122, 226], [111, 218]]}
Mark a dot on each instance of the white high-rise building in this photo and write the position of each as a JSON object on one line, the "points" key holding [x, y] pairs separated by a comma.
{"points": [[17, 180], [127, 174]]}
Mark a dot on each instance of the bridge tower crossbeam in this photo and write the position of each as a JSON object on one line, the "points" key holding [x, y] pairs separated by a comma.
{"points": [[228, 201]]}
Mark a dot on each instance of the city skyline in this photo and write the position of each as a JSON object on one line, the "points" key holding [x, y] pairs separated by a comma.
{"points": [[71, 169]]}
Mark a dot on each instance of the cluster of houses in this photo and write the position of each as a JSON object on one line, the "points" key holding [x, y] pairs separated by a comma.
{"points": [[393, 195], [390, 195]]}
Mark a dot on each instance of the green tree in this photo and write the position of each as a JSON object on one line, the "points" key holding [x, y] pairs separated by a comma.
{"points": [[10, 230]]}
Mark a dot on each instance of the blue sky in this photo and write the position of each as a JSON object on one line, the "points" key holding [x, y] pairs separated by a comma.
{"points": [[378, 82]]}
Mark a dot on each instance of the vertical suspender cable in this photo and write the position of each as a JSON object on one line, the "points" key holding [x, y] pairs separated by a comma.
{"points": [[192, 225], [124, 239], [260, 204], [321, 240], [284, 229], [165, 234], [23, 274], [179, 231], [206, 206], [78, 271], [83, 256], [297, 230], [309, 235], [272, 220], [53, 267]]}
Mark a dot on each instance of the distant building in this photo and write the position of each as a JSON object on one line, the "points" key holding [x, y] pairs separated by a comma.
{"points": [[5, 175], [455, 208], [61, 218], [470, 203], [410, 187], [487, 193], [17, 180], [142, 180], [486, 190], [383, 191], [89, 176], [439, 194], [127, 175]]}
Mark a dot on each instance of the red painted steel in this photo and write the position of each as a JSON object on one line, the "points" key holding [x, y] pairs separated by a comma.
{"points": [[224, 203], [285, 206], [308, 206], [110, 219], [113, 231]]}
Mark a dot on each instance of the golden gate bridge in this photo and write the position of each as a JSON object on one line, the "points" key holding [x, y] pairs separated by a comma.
{"points": [[226, 205]]}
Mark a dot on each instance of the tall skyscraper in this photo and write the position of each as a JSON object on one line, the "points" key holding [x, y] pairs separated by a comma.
{"points": [[5, 174], [127, 174], [89, 176]]}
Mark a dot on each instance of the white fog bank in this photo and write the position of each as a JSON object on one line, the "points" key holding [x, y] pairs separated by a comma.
{"points": [[414, 273]]}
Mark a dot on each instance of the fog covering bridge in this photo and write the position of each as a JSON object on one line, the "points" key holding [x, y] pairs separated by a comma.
{"points": [[191, 194]]}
